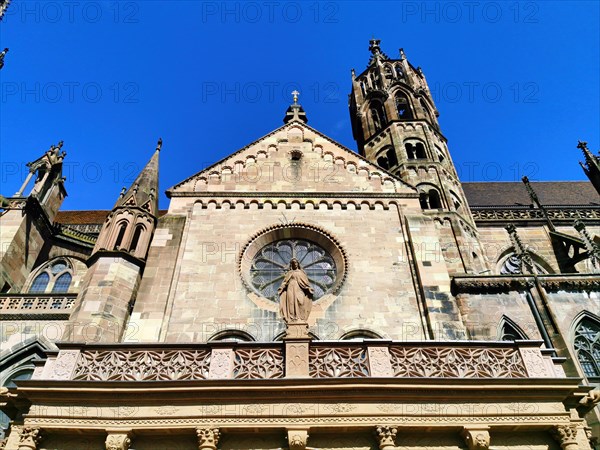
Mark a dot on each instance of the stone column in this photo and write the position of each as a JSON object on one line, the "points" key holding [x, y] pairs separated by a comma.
{"points": [[476, 438], [29, 439], [208, 438], [118, 440], [386, 436], [297, 439], [566, 436]]}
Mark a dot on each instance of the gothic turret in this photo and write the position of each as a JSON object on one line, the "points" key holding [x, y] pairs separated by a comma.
{"points": [[394, 122], [110, 285], [129, 226], [591, 167]]}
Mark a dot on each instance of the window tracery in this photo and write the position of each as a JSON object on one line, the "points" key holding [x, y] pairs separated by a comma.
{"points": [[56, 277], [587, 346]]}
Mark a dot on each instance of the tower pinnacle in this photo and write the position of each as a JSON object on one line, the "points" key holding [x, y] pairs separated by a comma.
{"points": [[295, 111]]}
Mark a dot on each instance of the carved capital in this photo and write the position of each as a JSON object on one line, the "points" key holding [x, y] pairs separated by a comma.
{"points": [[208, 438], [566, 436], [476, 438], [297, 439], [29, 438], [386, 435], [118, 441]]}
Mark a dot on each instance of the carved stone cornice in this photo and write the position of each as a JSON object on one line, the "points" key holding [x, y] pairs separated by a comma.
{"points": [[506, 283], [208, 438], [386, 436], [565, 215]]}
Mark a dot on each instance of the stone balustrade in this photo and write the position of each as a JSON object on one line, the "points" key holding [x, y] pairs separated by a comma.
{"points": [[36, 306], [308, 359]]}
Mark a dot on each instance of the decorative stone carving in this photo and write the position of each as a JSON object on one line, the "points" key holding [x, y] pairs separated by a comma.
{"points": [[29, 438], [258, 363], [118, 441], [142, 365], [296, 359], [380, 362], [535, 363], [476, 438], [338, 362], [208, 438], [221, 363], [295, 294], [566, 436], [297, 439], [297, 330], [453, 362], [64, 365], [386, 435]]}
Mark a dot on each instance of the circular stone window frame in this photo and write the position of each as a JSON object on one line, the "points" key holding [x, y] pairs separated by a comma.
{"points": [[304, 231]]}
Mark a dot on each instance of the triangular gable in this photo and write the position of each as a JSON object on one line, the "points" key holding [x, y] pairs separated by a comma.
{"points": [[271, 164]]}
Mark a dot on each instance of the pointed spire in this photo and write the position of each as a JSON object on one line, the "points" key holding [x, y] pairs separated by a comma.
{"points": [[142, 192]]}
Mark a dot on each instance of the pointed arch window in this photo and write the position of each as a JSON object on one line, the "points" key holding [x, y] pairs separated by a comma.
{"points": [[62, 283], [55, 277], [120, 236], [509, 332], [40, 283], [378, 116], [402, 106], [587, 346], [399, 73], [136, 238]]}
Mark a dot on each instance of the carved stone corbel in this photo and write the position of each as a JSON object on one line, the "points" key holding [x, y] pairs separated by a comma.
{"points": [[208, 438], [297, 439], [118, 441], [476, 438], [386, 436], [566, 436], [29, 438]]}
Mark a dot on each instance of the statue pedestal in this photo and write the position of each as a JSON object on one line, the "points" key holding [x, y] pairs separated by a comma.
{"points": [[297, 343]]}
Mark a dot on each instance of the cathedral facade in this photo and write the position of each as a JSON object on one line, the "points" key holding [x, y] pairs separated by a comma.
{"points": [[301, 295]]}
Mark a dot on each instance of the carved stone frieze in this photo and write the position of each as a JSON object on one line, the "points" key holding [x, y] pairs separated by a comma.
{"points": [[386, 436], [338, 362], [258, 363], [476, 438], [535, 363], [481, 214], [208, 438]]}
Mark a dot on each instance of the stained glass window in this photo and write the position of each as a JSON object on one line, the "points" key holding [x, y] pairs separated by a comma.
{"points": [[587, 346], [62, 283], [272, 262], [40, 283]]}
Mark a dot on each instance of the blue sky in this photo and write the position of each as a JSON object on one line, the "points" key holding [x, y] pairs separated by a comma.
{"points": [[516, 83]]}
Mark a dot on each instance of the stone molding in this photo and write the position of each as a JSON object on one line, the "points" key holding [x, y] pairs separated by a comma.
{"points": [[508, 283], [297, 439]]}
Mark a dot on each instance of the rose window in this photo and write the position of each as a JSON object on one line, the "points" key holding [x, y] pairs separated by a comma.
{"points": [[272, 261]]}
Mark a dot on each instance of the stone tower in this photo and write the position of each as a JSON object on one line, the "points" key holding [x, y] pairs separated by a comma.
{"points": [[28, 217], [117, 262], [394, 122]]}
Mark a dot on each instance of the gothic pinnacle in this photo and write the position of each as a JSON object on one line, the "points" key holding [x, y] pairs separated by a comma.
{"points": [[159, 144]]}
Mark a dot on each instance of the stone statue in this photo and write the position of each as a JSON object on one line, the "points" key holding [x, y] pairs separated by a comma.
{"points": [[295, 294]]}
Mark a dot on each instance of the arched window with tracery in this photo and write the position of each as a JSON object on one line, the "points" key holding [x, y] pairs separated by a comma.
{"points": [[402, 106], [55, 277], [587, 346], [509, 331], [378, 116]]}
